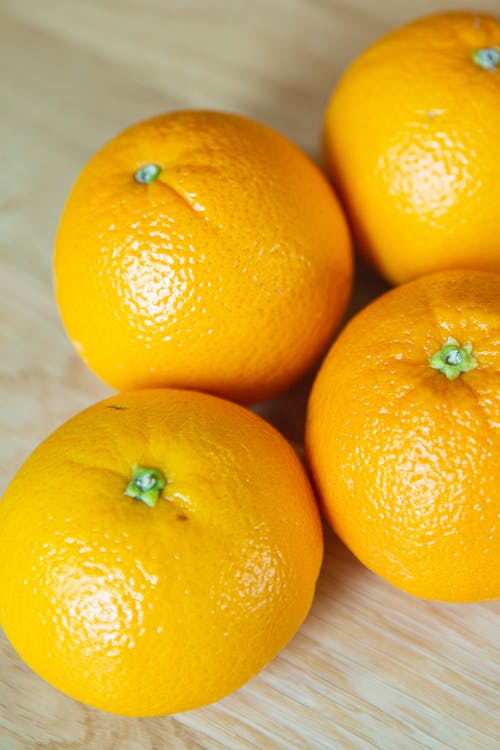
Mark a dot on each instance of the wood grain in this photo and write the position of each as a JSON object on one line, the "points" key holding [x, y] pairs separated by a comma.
{"points": [[371, 667]]}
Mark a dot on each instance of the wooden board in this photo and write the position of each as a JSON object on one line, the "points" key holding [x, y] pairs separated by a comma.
{"points": [[371, 667]]}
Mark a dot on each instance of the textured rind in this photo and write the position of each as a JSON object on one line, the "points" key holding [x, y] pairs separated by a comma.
{"points": [[148, 611], [411, 140], [228, 273], [407, 462]]}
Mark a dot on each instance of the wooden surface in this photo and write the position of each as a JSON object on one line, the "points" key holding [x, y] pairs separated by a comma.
{"points": [[371, 667]]}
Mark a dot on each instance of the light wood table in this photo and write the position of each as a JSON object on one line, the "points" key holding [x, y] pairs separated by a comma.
{"points": [[371, 667]]}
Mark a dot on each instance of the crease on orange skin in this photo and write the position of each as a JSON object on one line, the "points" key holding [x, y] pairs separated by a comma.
{"points": [[240, 298]]}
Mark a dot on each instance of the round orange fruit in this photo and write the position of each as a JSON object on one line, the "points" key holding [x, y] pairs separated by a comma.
{"points": [[156, 551], [403, 436], [202, 250], [411, 139]]}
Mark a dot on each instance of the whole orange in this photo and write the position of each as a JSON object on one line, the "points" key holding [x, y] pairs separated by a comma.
{"points": [[412, 141], [202, 250], [156, 551], [403, 436]]}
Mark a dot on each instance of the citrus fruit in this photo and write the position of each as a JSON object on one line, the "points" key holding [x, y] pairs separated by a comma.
{"points": [[412, 143], [202, 250], [403, 436], [156, 551]]}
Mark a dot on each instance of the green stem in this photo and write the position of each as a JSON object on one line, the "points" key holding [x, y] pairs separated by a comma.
{"points": [[487, 58], [453, 359], [147, 174], [146, 485]]}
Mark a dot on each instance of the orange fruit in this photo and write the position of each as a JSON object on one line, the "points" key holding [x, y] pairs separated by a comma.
{"points": [[147, 608], [403, 436], [412, 143], [202, 250]]}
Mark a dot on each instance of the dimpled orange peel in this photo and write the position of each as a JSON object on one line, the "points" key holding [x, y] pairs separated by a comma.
{"points": [[157, 551], [412, 142], [202, 250], [403, 436]]}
